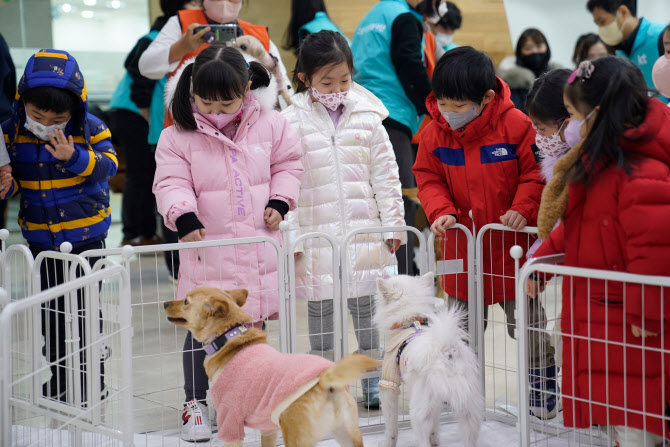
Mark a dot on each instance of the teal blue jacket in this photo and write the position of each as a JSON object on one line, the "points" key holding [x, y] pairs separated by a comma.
{"points": [[60, 201], [320, 22], [121, 100], [645, 49], [373, 66]]}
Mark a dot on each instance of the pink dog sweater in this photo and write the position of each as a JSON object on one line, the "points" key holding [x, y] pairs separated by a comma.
{"points": [[254, 382]]}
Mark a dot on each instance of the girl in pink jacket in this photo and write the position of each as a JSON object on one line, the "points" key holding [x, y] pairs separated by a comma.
{"points": [[230, 167]]}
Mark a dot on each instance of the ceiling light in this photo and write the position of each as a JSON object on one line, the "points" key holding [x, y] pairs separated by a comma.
{"points": [[66, 7], [116, 4], [90, 2], [87, 14]]}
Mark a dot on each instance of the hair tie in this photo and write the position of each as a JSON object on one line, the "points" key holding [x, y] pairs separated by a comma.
{"points": [[583, 71]]}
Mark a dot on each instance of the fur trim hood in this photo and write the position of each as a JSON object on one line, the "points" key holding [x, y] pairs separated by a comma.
{"points": [[266, 96], [517, 76]]}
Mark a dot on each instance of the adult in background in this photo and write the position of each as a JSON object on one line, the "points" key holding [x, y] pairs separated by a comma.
{"points": [[388, 61], [136, 119], [307, 17], [531, 60], [178, 42], [588, 47], [7, 90], [638, 39]]}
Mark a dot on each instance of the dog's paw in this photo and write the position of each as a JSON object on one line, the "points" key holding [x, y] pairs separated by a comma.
{"points": [[434, 439]]}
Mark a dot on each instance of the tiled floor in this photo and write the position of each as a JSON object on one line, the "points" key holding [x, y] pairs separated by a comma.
{"points": [[157, 358]]}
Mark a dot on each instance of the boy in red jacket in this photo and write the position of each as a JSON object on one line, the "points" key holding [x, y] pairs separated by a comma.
{"points": [[477, 155]]}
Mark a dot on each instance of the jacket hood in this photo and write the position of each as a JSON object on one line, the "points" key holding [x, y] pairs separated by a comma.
{"points": [[652, 137], [517, 76], [54, 68], [485, 122], [358, 100], [266, 96]]}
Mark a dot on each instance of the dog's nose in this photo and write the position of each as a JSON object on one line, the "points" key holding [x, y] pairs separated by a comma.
{"points": [[166, 305]]}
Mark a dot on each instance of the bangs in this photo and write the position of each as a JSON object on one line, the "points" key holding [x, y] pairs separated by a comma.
{"points": [[216, 80]]}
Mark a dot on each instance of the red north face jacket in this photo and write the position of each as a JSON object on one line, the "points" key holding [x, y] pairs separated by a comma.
{"points": [[487, 167], [619, 223]]}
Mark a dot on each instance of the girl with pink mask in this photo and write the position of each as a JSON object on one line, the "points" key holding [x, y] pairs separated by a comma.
{"points": [[351, 181], [228, 168]]}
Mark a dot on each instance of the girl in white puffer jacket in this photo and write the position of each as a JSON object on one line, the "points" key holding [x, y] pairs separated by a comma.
{"points": [[350, 181]]}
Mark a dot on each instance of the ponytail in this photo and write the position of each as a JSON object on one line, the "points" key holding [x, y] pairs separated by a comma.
{"points": [[258, 75], [181, 101]]}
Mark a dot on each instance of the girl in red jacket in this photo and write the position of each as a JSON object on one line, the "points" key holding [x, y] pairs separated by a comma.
{"points": [[612, 192]]}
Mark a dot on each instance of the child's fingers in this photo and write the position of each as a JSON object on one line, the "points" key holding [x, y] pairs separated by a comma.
{"points": [[268, 213], [51, 150]]}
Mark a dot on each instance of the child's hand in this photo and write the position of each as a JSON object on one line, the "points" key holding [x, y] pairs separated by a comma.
{"points": [[195, 236], [6, 169], [533, 287], [61, 148], [5, 181], [514, 220], [393, 245], [272, 218], [442, 223], [638, 332]]}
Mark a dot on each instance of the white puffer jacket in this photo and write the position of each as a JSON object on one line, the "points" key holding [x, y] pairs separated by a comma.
{"points": [[350, 181]]}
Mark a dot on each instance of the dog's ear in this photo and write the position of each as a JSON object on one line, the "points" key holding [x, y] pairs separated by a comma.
{"points": [[239, 296], [428, 280], [387, 292], [216, 306]]}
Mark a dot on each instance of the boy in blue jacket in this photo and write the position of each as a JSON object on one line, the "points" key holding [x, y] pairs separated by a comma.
{"points": [[61, 158]]}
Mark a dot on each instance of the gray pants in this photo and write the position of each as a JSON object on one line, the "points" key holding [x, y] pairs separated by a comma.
{"points": [[321, 323], [541, 352]]}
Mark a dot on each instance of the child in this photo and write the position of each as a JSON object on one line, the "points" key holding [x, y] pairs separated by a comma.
{"points": [[476, 155], [62, 158], [661, 71], [351, 182], [229, 168], [612, 192]]}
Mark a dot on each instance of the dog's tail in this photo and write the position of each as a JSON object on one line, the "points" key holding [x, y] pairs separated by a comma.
{"points": [[346, 371], [450, 368]]}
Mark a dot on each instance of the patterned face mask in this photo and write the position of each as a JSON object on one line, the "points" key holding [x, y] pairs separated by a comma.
{"points": [[330, 100], [552, 145], [41, 131]]}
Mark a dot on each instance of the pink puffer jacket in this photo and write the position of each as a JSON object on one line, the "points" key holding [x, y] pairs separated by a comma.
{"points": [[228, 184]]}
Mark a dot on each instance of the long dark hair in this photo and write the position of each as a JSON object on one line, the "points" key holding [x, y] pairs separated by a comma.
{"points": [[545, 99], [618, 87], [219, 73], [302, 12], [320, 50]]}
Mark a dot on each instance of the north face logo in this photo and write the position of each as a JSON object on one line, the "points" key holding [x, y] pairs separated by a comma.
{"points": [[500, 152]]}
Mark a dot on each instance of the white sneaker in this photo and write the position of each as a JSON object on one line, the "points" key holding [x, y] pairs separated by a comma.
{"points": [[195, 419]]}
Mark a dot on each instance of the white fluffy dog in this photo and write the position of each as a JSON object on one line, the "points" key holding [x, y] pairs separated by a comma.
{"points": [[434, 360]]}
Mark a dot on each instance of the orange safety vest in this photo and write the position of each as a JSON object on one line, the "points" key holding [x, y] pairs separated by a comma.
{"points": [[429, 60], [187, 17]]}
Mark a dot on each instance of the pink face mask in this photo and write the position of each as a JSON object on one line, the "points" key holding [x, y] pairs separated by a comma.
{"points": [[222, 11], [552, 145], [330, 100], [218, 120], [661, 76]]}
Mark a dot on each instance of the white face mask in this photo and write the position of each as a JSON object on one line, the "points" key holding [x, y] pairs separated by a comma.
{"points": [[443, 40], [41, 131], [612, 34]]}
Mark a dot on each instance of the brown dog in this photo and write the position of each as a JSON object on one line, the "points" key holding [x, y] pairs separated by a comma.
{"points": [[258, 387]]}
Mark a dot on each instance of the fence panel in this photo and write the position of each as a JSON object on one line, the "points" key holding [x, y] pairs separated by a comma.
{"points": [[81, 395], [613, 383], [159, 349]]}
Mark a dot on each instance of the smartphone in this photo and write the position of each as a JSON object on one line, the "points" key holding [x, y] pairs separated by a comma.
{"points": [[226, 33]]}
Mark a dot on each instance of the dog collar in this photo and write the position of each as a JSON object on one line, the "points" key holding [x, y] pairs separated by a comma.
{"points": [[407, 326], [221, 339]]}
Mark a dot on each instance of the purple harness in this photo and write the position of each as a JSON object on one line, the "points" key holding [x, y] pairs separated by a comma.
{"points": [[417, 327]]}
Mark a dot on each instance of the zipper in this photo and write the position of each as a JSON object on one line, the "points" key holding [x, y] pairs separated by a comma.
{"points": [[339, 184]]}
